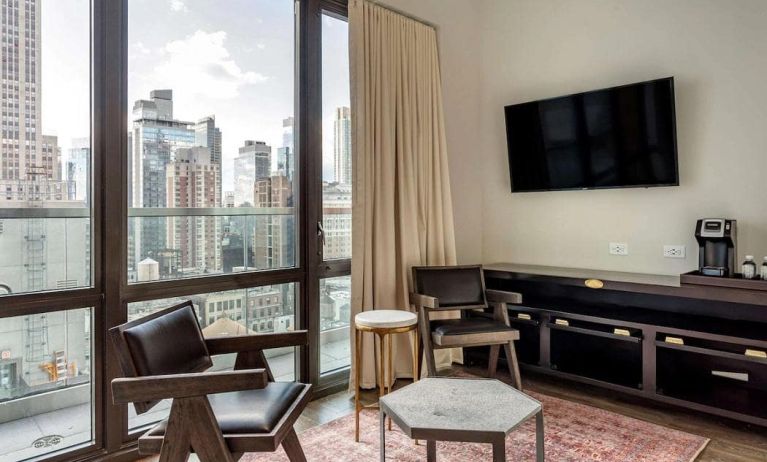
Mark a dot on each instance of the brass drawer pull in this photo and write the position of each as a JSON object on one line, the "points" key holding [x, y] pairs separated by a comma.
{"points": [[674, 340], [594, 283], [756, 353]]}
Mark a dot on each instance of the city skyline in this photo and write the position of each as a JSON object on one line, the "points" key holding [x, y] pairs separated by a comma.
{"points": [[201, 107]]}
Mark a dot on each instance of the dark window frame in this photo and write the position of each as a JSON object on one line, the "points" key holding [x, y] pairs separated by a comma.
{"points": [[110, 292]]}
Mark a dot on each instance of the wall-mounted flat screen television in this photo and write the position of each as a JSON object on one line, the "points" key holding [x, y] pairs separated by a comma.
{"points": [[613, 138]]}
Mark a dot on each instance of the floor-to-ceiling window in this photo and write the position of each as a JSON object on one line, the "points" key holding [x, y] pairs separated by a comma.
{"points": [[156, 151], [46, 228], [211, 156]]}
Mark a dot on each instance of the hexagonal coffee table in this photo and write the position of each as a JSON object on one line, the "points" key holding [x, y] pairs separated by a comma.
{"points": [[457, 409]]}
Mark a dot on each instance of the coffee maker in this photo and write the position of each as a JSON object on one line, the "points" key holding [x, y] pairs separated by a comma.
{"points": [[717, 238]]}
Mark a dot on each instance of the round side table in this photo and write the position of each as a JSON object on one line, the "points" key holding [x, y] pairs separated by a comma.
{"points": [[384, 324]]}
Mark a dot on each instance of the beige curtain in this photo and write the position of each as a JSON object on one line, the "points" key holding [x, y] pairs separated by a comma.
{"points": [[402, 211]]}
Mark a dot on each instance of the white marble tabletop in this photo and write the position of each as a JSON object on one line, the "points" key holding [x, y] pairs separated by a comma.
{"points": [[465, 404]]}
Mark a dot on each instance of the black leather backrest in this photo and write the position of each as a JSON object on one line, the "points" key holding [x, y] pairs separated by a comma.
{"points": [[453, 286], [168, 344]]}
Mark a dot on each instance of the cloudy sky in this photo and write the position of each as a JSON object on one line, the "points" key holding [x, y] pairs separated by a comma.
{"points": [[230, 58]]}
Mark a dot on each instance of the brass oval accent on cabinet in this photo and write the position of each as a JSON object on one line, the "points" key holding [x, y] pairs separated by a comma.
{"points": [[594, 283]]}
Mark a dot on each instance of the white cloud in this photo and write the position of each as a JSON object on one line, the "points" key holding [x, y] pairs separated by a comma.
{"points": [[178, 5], [140, 48], [260, 46], [200, 65]]}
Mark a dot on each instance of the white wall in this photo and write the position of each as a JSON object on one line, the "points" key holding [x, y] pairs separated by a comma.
{"points": [[457, 23], [531, 49]]}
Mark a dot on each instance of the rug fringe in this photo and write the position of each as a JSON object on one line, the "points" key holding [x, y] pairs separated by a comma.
{"points": [[702, 447]]}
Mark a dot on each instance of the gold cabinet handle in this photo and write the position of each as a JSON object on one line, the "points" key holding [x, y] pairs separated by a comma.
{"points": [[594, 283]]}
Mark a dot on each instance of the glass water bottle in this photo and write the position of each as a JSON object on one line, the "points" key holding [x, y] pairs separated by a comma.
{"points": [[749, 268]]}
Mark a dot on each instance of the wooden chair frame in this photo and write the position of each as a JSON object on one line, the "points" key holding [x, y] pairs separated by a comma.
{"points": [[426, 304], [192, 424]]}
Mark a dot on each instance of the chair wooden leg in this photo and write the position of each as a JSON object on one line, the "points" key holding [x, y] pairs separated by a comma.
{"points": [[420, 352], [416, 368], [292, 447], [431, 365], [207, 441], [511, 360], [176, 446], [492, 362]]}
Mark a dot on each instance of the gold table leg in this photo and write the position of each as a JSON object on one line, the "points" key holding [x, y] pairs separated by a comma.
{"points": [[357, 374], [385, 366]]}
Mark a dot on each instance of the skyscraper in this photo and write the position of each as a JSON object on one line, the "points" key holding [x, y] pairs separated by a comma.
{"points": [[155, 138], [253, 163], [22, 140], [26, 155], [207, 135], [286, 157], [193, 181], [342, 146]]}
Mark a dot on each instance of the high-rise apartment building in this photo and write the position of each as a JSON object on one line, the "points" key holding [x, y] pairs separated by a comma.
{"points": [[156, 136], [274, 236], [337, 220], [253, 163], [193, 182], [342, 146]]}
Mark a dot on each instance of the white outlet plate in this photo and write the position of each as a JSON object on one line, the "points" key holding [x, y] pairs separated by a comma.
{"points": [[619, 248], [674, 251]]}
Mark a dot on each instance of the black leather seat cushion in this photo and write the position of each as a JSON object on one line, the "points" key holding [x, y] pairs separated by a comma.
{"points": [[250, 411], [468, 326]]}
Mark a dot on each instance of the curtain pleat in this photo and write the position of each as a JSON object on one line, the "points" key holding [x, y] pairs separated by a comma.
{"points": [[402, 210]]}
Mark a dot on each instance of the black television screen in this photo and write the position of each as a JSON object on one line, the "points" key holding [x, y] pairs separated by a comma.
{"points": [[617, 137]]}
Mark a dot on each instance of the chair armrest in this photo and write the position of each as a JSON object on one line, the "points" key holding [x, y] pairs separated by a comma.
{"points": [[500, 296], [159, 387], [425, 301], [236, 344]]}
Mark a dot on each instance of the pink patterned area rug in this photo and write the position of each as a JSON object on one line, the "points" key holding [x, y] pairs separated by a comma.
{"points": [[573, 432]]}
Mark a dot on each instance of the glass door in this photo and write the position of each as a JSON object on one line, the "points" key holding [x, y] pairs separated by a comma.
{"points": [[335, 225]]}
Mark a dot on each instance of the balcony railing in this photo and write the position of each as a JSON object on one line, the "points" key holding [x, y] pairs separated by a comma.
{"points": [[139, 212]]}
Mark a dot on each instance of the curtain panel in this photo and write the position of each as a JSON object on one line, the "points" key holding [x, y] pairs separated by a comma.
{"points": [[402, 209]]}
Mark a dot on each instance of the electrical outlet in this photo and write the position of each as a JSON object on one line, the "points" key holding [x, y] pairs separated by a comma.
{"points": [[674, 251], [619, 248]]}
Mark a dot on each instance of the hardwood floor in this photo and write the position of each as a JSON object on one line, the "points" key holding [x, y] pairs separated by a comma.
{"points": [[731, 441]]}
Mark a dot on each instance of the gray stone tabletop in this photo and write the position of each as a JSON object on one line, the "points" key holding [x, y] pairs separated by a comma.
{"points": [[460, 404]]}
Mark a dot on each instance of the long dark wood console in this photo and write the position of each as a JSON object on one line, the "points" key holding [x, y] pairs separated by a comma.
{"points": [[696, 346]]}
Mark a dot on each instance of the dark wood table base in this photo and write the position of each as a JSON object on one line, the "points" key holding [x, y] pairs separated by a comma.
{"points": [[499, 446]]}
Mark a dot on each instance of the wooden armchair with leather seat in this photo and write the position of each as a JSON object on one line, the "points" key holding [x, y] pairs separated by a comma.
{"points": [[217, 415], [450, 288]]}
